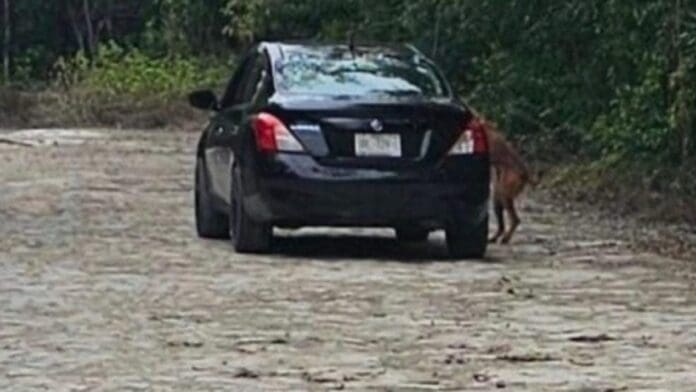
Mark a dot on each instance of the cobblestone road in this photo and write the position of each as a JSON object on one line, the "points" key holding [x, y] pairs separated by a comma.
{"points": [[104, 286]]}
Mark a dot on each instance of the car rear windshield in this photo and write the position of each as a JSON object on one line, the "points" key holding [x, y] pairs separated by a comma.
{"points": [[335, 71]]}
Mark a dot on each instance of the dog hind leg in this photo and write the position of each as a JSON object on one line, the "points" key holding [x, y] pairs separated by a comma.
{"points": [[500, 215], [514, 221]]}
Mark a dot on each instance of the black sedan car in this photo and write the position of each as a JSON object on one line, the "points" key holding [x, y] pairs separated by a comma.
{"points": [[340, 135]]}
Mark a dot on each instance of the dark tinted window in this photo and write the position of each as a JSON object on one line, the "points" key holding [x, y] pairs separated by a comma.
{"points": [[242, 89], [247, 83], [254, 80], [338, 71], [232, 92]]}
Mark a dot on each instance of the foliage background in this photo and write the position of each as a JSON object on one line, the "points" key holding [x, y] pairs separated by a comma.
{"points": [[611, 83]]}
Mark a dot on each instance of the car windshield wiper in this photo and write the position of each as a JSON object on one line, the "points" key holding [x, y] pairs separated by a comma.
{"points": [[398, 93]]}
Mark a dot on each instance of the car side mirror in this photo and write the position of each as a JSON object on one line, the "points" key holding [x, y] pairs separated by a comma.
{"points": [[204, 100]]}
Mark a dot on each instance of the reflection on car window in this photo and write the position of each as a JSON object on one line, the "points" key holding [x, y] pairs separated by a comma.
{"points": [[334, 71]]}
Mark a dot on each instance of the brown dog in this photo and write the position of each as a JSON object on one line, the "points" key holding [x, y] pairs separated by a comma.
{"points": [[510, 177]]}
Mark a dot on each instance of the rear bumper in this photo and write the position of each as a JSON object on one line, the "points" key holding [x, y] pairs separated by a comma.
{"points": [[295, 190]]}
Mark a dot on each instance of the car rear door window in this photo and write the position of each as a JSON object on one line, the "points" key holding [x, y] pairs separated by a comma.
{"points": [[254, 81], [230, 98]]}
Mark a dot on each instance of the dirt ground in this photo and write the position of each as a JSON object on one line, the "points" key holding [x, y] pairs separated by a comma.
{"points": [[104, 286]]}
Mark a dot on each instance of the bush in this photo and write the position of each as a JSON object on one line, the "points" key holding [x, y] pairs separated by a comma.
{"points": [[116, 71], [127, 87], [635, 124]]}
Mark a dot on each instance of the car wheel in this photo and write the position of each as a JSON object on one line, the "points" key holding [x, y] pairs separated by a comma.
{"points": [[209, 222], [467, 242], [411, 234], [248, 236]]}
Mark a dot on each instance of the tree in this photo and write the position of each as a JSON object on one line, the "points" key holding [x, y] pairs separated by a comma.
{"points": [[598, 77], [7, 41]]}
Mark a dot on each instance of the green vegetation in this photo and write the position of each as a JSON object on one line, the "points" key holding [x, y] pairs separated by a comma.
{"points": [[606, 81], [117, 72]]}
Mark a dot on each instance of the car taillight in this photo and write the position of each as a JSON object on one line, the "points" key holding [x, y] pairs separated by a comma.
{"points": [[273, 136], [473, 139]]}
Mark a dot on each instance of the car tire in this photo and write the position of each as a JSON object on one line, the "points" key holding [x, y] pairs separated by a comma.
{"points": [[412, 234], [209, 222], [467, 242], [248, 236]]}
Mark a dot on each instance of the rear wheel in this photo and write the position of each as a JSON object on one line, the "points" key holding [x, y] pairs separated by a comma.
{"points": [[468, 242], [209, 222], [248, 236], [412, 234]]}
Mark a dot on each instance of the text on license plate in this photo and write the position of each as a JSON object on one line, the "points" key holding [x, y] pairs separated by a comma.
{"points": [[371, 145]]}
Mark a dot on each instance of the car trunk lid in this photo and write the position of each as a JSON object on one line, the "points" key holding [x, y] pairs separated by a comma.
{"points": [[332, 132]]}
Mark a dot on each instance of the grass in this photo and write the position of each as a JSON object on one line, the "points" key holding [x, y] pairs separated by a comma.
{"points": [[118, 88]]}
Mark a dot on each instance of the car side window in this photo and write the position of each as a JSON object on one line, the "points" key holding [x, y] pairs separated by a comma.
{"points": [[254, 81], [264, 88], [230, 98]]}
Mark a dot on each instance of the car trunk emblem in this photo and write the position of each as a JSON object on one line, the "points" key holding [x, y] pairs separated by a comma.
{"points": [[377, 125]]}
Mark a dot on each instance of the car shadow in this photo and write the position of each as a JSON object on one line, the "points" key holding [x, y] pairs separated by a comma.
{"points": [[363, 248]]}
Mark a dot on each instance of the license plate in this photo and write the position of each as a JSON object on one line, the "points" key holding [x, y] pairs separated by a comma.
{"points": [[384, 145]]}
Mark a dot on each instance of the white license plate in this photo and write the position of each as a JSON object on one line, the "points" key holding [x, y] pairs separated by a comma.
{"points": [[384, 145]]}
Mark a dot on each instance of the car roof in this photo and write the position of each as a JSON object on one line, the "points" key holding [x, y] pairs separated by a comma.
{"points": [[279, 50]]}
